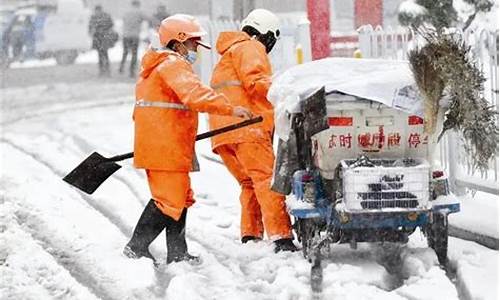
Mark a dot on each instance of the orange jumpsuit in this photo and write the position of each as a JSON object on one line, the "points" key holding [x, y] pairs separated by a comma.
{"points": [[169, 96], [243, 74]]}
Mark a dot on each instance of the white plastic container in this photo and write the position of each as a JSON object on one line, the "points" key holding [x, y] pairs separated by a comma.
{"points": [[385, 184]]}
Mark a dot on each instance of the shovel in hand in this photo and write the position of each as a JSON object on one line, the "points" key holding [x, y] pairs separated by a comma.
{"points": [[95, 169]]}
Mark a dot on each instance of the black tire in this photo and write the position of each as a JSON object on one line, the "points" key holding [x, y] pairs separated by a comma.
{"points": [[430, 236], [437, 237], [66, 57], [305, 234], [316, 276]]}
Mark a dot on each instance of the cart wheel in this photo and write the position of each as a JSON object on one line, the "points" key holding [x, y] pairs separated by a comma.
{"points": [[316, 275], [430, 237], [437, 237], [305, 232]]}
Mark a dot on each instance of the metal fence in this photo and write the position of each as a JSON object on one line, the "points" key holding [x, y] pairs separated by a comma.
{"points": [[394, 44], [387, 43]]}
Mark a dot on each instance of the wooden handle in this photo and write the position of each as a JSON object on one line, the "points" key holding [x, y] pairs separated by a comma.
{"points": [[201, 136]]}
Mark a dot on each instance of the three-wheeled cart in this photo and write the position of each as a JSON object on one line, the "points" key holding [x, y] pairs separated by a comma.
{"points": [[355, 160]]}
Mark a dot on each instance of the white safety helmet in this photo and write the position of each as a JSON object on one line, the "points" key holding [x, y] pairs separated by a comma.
{"points": [[265, 23]]}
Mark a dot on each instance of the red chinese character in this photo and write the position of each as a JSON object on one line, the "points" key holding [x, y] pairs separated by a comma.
{"points": [[346, 141], [369, 140], [380, 137], [394, 140], [414, 140], [332, 142], [365, 140]]}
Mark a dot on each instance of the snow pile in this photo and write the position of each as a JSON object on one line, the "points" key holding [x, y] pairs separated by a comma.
{"points": [[27, 270], [411, 8], [475, 266], [482, 205], [483, 20]]}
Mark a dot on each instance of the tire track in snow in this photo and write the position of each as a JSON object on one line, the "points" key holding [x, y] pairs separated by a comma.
{"points": [[222, 267], [59, 257], [392, 259], [389, 256], [234, 267], [451, 272], [80, 141], [119, 224], [367, 256], [78, 107], [76, 267]]}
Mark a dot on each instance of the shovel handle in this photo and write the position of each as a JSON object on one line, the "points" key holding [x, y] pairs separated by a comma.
{"points": [[121, 156], [201, 136], [229, 128]]}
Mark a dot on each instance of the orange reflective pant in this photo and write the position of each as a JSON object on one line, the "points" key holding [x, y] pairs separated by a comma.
{"points": [[252, 166], [171, 191]]}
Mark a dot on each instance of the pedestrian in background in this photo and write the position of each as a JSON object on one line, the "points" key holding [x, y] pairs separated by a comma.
{"points": [[29, 37], [103, 37], [132, 23], [160, 14], [17, 36]]}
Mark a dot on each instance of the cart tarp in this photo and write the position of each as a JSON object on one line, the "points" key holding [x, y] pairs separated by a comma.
{"points": [[388, 82]]}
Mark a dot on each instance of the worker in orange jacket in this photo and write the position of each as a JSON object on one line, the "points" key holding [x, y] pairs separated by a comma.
{"points": [[169, 96], [243, 74]]}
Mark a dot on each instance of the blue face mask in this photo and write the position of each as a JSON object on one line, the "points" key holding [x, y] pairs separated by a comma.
{"points": [[191, 56]]}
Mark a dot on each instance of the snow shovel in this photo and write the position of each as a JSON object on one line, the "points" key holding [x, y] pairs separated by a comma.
{"points": [[95, 169]]}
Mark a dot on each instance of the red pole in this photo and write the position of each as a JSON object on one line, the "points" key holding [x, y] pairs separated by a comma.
{"points": [[368, 12], [318, 12]]}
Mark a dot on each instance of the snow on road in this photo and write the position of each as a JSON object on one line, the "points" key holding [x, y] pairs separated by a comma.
{"points": [[58, 243]]}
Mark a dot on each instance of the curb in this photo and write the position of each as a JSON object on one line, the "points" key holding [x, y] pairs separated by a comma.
{"points": [[479, 238]]}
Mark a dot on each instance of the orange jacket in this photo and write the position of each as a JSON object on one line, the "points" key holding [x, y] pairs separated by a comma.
{"points": [[164, 137], [243, 74]]}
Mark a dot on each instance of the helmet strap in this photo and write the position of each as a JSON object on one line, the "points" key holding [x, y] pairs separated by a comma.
{"points": [[268, 40]]}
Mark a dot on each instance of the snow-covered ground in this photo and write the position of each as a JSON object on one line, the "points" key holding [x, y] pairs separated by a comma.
{"points": [[474, 205], [59, 243]]}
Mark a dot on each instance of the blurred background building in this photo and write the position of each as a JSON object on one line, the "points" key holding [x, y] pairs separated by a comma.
{"points": [[345, 15], [333, 23]]}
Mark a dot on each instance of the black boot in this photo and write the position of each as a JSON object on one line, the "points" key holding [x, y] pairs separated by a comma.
{"points": [[176, 241], [149, 226], [248, 238], [284, 245]]}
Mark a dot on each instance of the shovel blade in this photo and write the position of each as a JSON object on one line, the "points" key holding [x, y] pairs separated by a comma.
{"points": [[91, 173]]}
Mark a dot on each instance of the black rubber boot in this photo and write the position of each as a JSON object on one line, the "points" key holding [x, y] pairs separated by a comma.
{"points": [[248, 238], [176, 241], [150, 225], [284, 245]]}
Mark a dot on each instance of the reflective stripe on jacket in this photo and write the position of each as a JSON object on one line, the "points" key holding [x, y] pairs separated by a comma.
{"points": [[164, 138], [160, 104], [243, 74]]}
